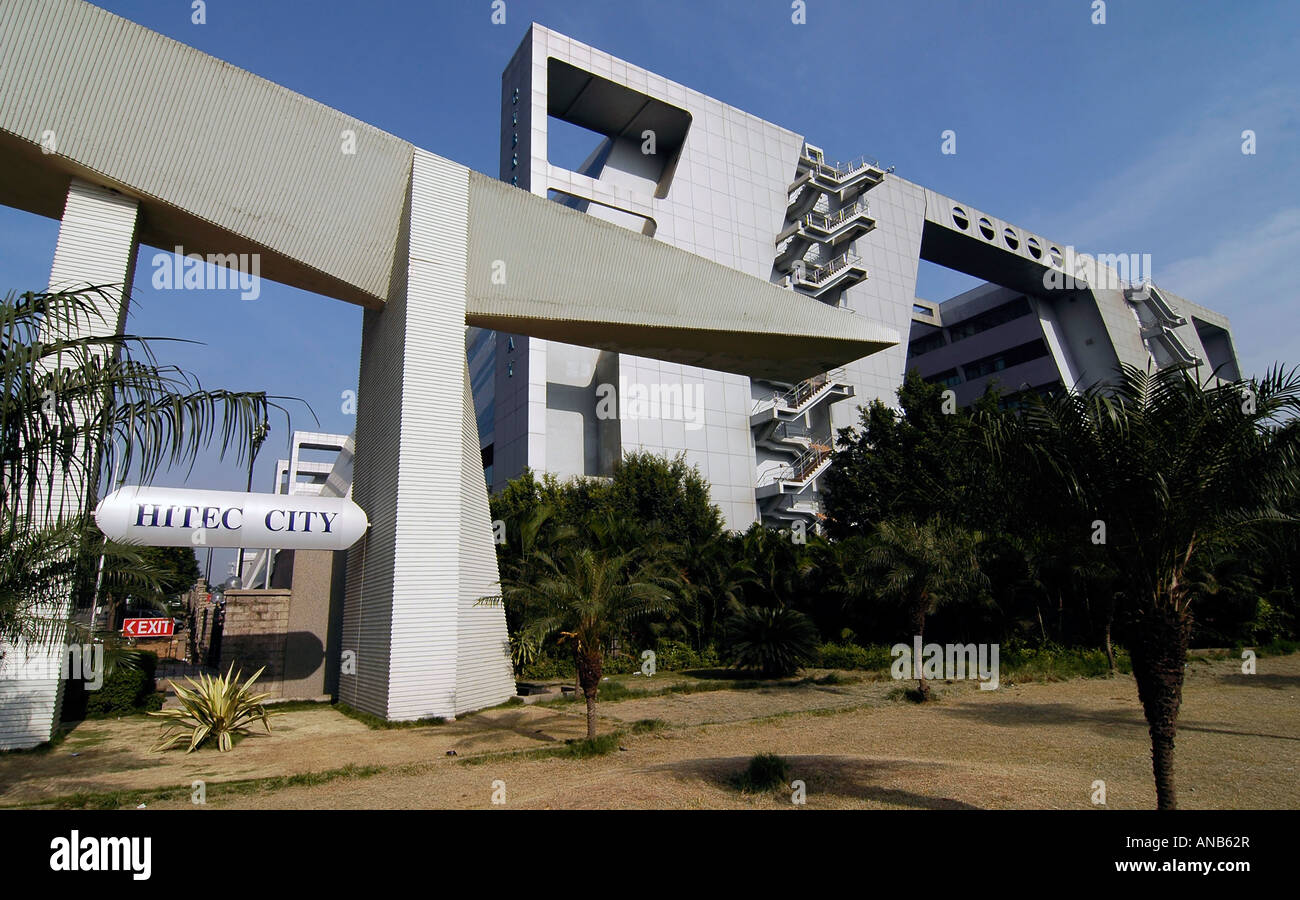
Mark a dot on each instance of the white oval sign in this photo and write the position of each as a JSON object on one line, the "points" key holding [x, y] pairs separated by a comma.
{"points": [[179, 517]]}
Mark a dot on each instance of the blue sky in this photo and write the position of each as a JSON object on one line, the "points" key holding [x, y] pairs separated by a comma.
{"points": [[1122, 137]]}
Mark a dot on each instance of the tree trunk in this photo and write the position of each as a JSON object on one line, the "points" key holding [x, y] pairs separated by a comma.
{"points": [[590, 665], [591, 716], [918, 628], [1158, 647], [1110, 651], [1110, 644]]}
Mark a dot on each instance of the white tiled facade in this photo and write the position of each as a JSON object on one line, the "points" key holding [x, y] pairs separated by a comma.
{"points": [[725, 199]]}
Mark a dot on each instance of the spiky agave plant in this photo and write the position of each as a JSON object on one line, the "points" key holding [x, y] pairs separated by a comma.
{"points": [[214, 707]]}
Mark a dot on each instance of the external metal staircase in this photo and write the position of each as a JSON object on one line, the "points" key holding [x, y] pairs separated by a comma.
{"points": [[814, 255], [846, 224], [817, 281], [1158, 320], [798, 400], [840, 180], [794, 477]]}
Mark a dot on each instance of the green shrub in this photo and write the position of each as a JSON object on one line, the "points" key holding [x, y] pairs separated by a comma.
{"points": [[1277, 647], [549, 668], [775, 642], [1271, 623], [852, 656], [126, 691], [1053, 663], [910, 694], [675, 656], [623, 664], [588, 747], [765, 772], [647, 726]]}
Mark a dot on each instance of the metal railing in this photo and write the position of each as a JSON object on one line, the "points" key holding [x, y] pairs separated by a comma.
{"points": [[792, 431], [805, 390], [807, 462], [840, 170], [819, 274], [835, 220]]}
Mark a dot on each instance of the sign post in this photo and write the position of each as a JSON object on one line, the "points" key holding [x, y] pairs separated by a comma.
{"points": [[157, 627]]}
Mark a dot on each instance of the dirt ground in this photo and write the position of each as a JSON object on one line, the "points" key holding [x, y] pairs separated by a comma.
{"points": [[1023, 746]]}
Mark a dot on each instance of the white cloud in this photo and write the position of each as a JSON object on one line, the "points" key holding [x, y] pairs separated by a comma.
{"points": [[1251, 277]]}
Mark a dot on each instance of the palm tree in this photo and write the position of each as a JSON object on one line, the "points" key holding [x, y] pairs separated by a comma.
{"points": [[80, 398], [589, 597], [715, 586], [780, 565], [924, 565], [1170, 469]]}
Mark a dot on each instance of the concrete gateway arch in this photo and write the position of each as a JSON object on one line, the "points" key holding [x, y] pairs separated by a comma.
{"points": [[128, 137]]}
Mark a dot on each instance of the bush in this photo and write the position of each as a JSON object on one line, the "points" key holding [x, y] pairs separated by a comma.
{"points": [[670, 656], [765, 772], [549, 668], [1053, 663], [126, 691], [851, 656], [775, 642], [675, 656], [1271, 623]]}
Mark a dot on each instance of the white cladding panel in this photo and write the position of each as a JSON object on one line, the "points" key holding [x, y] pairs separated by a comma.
{"points": [[96, 246]]}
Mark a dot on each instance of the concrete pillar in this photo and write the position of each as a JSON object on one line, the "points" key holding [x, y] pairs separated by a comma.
{"points": [[414, 643], [96, 246]]}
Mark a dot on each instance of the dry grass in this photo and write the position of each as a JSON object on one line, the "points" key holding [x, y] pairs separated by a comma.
{"points": [[1025, 746]]}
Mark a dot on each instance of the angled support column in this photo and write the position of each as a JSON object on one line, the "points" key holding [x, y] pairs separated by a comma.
{"points": [[96, 246], [414, 643]]}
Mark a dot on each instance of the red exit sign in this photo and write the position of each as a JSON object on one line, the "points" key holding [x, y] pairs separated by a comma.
{"points": [[148, 627]]}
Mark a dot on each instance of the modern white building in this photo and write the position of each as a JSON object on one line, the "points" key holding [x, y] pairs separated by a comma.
{"points": [[695, 173]]}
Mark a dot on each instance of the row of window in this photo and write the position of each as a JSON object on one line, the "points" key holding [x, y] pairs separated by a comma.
{"points": [[992, 318], [990, 364], [999, 315], [1007, 358]]}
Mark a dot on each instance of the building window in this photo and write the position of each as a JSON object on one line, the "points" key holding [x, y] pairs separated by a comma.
{"points": [[999, 315], [1005, 360], [510, 369], [926, 344], [947, 378]]}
